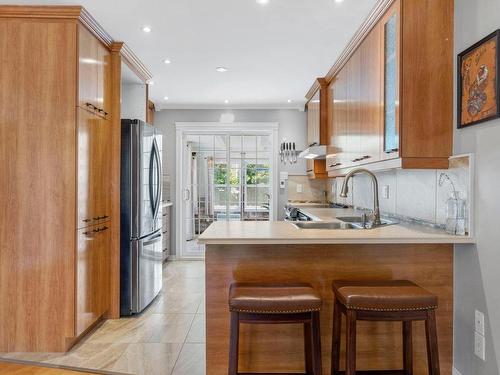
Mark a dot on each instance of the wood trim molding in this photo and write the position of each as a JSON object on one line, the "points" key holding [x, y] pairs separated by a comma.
{"points": [[375, 15], [90, 23], [40, 11], [135, 64], [319, 83]]}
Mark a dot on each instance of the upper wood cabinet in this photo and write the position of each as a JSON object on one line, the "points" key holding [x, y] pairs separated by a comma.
{"points": [[93, 73], [391, 100], [317, 127]]}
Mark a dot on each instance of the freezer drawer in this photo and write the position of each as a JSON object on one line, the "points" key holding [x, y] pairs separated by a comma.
{"points": [[144, 279]]}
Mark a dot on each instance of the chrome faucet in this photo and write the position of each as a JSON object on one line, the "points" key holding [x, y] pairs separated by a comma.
{"points": [[376, 207]]}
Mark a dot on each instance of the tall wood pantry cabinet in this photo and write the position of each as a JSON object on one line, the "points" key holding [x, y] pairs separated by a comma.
{"points": [[56, 181]]}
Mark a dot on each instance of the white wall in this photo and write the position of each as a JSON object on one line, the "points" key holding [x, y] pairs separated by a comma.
{"points": [[133, 104], [293, 128], [477, 268]]}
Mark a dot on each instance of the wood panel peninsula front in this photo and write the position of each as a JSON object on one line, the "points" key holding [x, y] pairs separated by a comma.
{"points": [[279, 252]]}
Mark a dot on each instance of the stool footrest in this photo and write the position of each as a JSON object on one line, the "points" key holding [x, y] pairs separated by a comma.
{"points": [[375, 372]]}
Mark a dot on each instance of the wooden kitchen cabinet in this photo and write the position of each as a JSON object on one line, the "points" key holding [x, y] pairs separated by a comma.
{"points": [[93, 73], [94, 168], [60, 275], [92, 275], [391, 96], [317, 127]]}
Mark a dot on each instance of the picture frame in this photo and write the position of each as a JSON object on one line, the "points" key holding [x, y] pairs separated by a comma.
{"points": [[478, 82]]}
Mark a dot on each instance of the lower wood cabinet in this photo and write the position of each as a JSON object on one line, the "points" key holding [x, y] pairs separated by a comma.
{"points": [[92, 275]]}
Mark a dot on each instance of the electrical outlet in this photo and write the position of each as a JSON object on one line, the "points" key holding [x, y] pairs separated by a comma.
{"points": [[479, 346], [385, 191], [299, 188], [479, 322]]}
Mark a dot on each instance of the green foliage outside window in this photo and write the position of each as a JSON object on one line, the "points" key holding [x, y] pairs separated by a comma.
{"points": [[256, 174]]}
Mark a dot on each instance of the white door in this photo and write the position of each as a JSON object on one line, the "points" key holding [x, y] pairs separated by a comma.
{"points": [[225, 176]]}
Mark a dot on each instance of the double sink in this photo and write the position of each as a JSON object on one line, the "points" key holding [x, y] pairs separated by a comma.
{"points": [[347, 222]]}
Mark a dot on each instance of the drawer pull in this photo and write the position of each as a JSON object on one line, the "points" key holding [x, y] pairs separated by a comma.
{"points": [[335, 165], [392, 150], [100, 229]]}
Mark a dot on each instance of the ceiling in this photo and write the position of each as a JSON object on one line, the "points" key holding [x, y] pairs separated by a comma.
{"points": [[273, 52]]}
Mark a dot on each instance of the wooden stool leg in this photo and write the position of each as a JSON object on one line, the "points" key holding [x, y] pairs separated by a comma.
{"points": [[308, 348], [351, 343], [337, 327], [432, 343], [316, 343], [407, 348], [233, 343]]}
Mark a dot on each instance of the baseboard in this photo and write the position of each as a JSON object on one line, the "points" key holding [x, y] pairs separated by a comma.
{"points": [[456, 372]]}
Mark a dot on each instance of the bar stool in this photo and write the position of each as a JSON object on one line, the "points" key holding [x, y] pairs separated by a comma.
{"points": [[392, 300], [251, 303]]}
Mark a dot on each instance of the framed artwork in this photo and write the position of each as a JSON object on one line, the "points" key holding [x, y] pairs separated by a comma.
{"points": [[478, 82]]}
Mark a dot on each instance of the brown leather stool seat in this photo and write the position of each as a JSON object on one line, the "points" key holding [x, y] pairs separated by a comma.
{"points": [[294, 303], [392, 295], [273, 298], [387, 300]]}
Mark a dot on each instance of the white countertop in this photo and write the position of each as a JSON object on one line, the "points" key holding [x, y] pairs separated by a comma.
{"points": [[281, 232]]}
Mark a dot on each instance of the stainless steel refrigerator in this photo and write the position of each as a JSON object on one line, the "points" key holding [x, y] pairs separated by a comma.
{"points": [[141, 238]]}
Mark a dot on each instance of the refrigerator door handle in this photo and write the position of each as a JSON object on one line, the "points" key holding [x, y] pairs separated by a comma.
{"points": [[158, 176], [152, 199], [152, 240]]}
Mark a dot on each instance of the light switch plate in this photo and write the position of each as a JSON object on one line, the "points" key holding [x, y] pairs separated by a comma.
{"points": [[300, 188], [479, 346], [479, 322]]}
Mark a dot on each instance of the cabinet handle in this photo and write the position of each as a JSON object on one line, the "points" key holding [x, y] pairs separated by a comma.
{"points": [[100, 217], [392, 150], [309, 170], [100, 229], [86, 220], [335, 165]]}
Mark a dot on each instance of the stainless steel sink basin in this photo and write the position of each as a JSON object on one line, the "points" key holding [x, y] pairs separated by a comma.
{"points": [[324, 225], [358, 221]]}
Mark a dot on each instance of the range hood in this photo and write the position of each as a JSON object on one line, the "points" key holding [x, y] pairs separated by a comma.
{"points": [[315, 152]]}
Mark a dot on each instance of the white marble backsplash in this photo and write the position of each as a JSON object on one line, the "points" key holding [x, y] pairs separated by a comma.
{"points": [[412, 193]]}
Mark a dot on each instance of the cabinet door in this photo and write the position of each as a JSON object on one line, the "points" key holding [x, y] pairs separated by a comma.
{"points": [[103, 83], [371, 100], [87, 125], [102, 245], [94, 169], [86, 281], [93, 282], [88, 62], [390, 42], [353, 137], [102, 170], [335, 159], [313, 120]]}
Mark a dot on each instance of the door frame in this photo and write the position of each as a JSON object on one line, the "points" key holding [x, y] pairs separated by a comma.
{"points": [[237, 128]]}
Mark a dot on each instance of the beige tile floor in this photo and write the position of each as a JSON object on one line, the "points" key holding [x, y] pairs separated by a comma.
{"points": [[166, 339]]}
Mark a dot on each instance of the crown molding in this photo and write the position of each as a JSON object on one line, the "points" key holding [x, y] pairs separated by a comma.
{"points": [[40, 11], [319, 83], [134, 63], [375, 15], [90, 23]]}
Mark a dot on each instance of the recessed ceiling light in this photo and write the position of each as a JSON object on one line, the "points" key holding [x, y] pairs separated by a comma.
{"points": [[262, 2], [151, 83], [221, 69], [165, 98], [146, 29], [226, 101], [167, 61], [289, 100], [339, 1]]}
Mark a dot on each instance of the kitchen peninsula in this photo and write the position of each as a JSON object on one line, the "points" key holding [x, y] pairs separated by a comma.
{"points": [[280, 252]]}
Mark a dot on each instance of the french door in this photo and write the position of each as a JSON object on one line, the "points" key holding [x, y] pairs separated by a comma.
{"points": [[226, 176]]}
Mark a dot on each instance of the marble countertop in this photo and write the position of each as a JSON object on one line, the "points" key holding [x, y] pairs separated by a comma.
{"points": [[282, 232]]}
